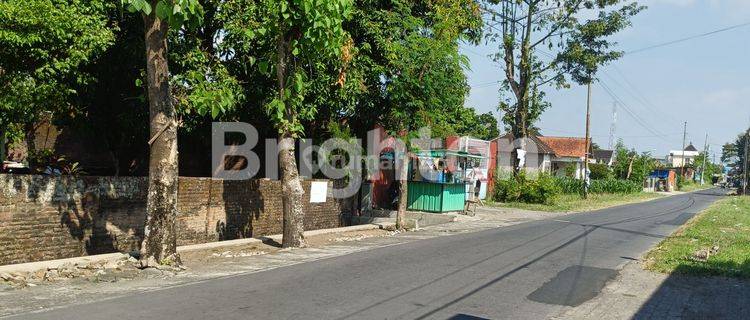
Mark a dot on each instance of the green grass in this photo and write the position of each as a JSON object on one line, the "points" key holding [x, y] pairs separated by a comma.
{"points": [[574, 203], [726, 224], [694, 186]]}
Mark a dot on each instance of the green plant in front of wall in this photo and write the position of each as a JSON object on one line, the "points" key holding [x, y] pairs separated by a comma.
{"points": [[600, 171], [542, 190]]}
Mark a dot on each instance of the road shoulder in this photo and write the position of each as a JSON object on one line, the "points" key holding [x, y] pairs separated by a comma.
{"points": [[641, 294], [211, 262]]}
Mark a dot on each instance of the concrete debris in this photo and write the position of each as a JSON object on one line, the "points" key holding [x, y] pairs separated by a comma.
{"points": [[702, 255], [97, 271], [230, 254], [351, 238]]}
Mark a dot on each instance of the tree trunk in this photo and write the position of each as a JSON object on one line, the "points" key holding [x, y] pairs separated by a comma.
{"points": [[160, 238], [630, 167], [3, 150], [520, 87], [292, 192], [519, 131], [403, 191], [292, 196]]}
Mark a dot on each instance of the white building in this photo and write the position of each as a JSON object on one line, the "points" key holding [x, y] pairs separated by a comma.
{"points": [[681, 158], [559, 156]]}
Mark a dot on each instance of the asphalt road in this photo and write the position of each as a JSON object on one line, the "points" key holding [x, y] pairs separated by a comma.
{"points": [[526, 271]]}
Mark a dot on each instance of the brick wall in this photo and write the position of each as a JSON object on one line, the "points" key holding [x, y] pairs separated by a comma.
{"points": [[44, 218]]}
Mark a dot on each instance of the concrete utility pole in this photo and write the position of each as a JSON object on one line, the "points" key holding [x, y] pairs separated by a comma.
{"points": [[705, 158], [684, 137], [586, 153], [613, 127]]}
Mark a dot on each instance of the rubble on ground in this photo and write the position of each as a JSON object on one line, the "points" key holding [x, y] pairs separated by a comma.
{"points": [[702, 255], [98, 271], [240, 254]]}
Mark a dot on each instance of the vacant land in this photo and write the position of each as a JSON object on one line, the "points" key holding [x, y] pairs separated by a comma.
{"points": [[574, 202], [716, 242]]}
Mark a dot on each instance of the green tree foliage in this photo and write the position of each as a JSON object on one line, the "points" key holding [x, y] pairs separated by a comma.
{"points": [[733, 154], [708, 170], [523, 31], [630, 165], [412, 73], [423, 83], [468, 122], [543, 190], [289, 43], [600, 171], [285, 41], [44, 44]]}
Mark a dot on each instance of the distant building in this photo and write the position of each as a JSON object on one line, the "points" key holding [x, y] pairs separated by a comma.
{"points": [[559, 156], [682, 158], [569, 154], [538, 154], [602, 156]]}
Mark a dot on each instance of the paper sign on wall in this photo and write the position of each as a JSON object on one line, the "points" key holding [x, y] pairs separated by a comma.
{"points": [[318, 191]]}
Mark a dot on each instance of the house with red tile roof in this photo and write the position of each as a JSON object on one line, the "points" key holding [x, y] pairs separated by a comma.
{"points": [[569, 152], [559, 156]]}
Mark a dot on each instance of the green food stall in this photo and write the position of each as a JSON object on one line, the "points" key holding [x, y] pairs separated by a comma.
{"points": [[438, 180]]}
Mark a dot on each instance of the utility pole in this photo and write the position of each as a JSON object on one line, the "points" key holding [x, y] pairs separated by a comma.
{"points": [[684, 137], [613, 127], [744, 166], [705, 158], [586, 153]]}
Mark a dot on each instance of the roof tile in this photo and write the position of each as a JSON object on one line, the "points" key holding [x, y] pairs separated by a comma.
{"points": [[566, 146]]}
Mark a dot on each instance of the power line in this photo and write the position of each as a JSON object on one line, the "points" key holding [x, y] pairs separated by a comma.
{"points": [[605, 135], [485, 84], [688, 38], [638, 95], [635, 117], [482, 56]]}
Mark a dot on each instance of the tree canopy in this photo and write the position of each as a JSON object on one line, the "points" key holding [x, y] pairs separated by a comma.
{"points": [[45, 46], [545, 42]]}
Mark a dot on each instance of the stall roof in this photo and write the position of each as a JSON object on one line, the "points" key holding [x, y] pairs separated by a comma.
{"points": [[441, 153]]}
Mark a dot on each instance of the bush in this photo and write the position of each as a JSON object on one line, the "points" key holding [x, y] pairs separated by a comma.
{"points": [[569, 185], [600, 171], [542, 190]]}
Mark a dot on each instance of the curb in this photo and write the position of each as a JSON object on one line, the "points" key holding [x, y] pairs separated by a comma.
{"points": [[54, 264], [113, 257], [371, 226]]}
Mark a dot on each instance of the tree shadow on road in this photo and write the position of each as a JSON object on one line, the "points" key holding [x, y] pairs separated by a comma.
{"points": [[686, 296]]}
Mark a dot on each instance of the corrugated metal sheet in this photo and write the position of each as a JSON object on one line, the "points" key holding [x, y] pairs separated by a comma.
{"points": [[435, 197]]}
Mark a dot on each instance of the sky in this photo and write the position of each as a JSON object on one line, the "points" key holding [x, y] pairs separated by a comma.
{"points": [[704, 81]]}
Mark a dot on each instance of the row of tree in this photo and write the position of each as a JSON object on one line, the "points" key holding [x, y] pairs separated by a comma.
{"points": [[290, 67]]}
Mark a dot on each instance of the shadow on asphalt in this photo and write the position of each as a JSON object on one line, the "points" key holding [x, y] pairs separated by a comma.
{"points": [[462, 316], [583, 235], [692, 297]]}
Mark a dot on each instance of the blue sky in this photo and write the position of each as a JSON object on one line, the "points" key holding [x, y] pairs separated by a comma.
{"points": [[702, 81]]}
